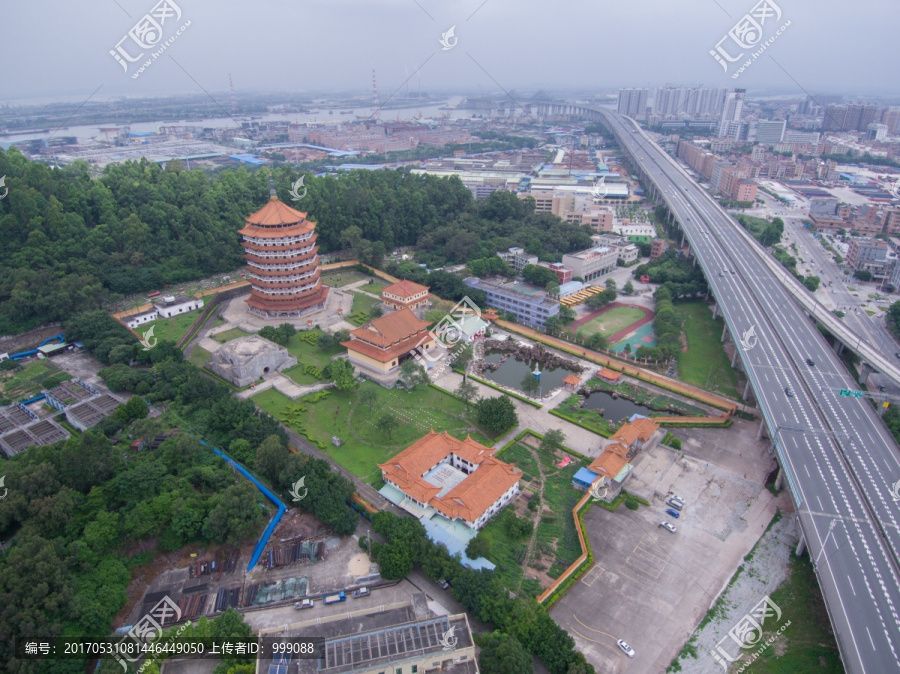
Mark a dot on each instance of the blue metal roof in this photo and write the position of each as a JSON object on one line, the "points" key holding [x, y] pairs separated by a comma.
{"points": [[248, 158], [585, 476]]}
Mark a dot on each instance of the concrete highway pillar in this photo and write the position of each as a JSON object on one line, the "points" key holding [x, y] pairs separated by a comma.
{"points": [[864, 371], [746, 390], [762, 427], [779, 481], [715, 311], [734, 358], [724, 332], [682, 239], [838, 347], [801, 546], [695, 259]]}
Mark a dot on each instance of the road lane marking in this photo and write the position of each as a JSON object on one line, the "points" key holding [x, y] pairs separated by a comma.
{"points": [[852, 589], [871, 640]]}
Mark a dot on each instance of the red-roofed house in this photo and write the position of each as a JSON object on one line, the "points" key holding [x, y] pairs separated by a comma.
{"points": [[405, 294], [460, 479], [381, 345]]}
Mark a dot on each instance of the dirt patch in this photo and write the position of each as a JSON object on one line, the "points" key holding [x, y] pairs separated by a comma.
{"points": [[358, 565]]}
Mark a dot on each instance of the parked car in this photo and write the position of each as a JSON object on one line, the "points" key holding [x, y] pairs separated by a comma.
{"points": [[675, 504], [789, 391], [674, 513], [306, 603], [361, 592], [444, 584], [626, 649], [676, 497], [668, 526]]}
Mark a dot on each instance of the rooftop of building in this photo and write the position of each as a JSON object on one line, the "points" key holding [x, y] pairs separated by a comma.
{"points": [[416, 472], [240, 350], [380, 639], [590, 253], [404, 288], [507, 291], [390, 328], [276, 213]]}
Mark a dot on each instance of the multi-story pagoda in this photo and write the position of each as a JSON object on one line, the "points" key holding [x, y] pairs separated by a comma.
{"points": [[282, 260]]}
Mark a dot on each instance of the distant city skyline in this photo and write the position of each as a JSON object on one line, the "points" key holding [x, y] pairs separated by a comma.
{"points": [[323, 47]]}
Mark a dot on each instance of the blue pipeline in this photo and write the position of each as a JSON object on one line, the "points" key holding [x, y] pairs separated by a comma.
{"points": [[261, 545], [26, 354]]}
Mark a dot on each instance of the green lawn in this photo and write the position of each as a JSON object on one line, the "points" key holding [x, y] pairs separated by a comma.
{"points": [[362, 303], [810, 643], [617, 318], [28, 382], [365, 446], [340, 279], [555, 545], [169, 329], [228, 335], [199, 356], [705, 363], [311, 354]]}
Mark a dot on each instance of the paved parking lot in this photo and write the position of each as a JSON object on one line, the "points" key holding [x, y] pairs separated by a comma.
{"points": [[651, 587]]}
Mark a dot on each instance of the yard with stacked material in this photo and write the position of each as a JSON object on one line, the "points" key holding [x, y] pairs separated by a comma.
{"points": [[168, 329], [28, 381], [705, 364], [340, 413], [311, 358], [533, 544]]}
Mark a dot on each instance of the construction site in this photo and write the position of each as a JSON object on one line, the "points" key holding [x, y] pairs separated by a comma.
{"points": [[303, 560]]}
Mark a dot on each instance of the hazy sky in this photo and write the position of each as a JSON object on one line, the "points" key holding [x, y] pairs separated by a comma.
{"points": [[61, 48]]}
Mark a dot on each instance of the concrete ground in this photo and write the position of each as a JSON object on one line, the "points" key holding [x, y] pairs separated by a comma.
{"points": [[651, 587], [83, 366]]}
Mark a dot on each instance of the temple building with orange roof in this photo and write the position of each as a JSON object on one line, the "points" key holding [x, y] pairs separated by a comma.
{"points": [[380, 346], [458, 480], [609, 470], [405, 294], [282, 262]]}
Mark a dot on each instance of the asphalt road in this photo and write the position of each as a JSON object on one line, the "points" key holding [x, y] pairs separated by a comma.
{"points": [[839, 459]]}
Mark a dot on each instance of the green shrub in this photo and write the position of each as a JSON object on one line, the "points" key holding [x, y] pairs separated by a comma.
{"points": [[676, 443]]}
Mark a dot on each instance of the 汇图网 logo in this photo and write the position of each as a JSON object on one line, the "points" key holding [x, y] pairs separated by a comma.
{"points": [[146, 34], [746, 34]]}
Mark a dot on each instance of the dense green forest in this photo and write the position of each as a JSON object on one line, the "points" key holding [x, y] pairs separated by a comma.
{"points": [[80, 514], [72, 242]]}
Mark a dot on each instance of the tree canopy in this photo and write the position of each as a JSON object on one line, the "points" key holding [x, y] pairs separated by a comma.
{"points": [[72, 243]]}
